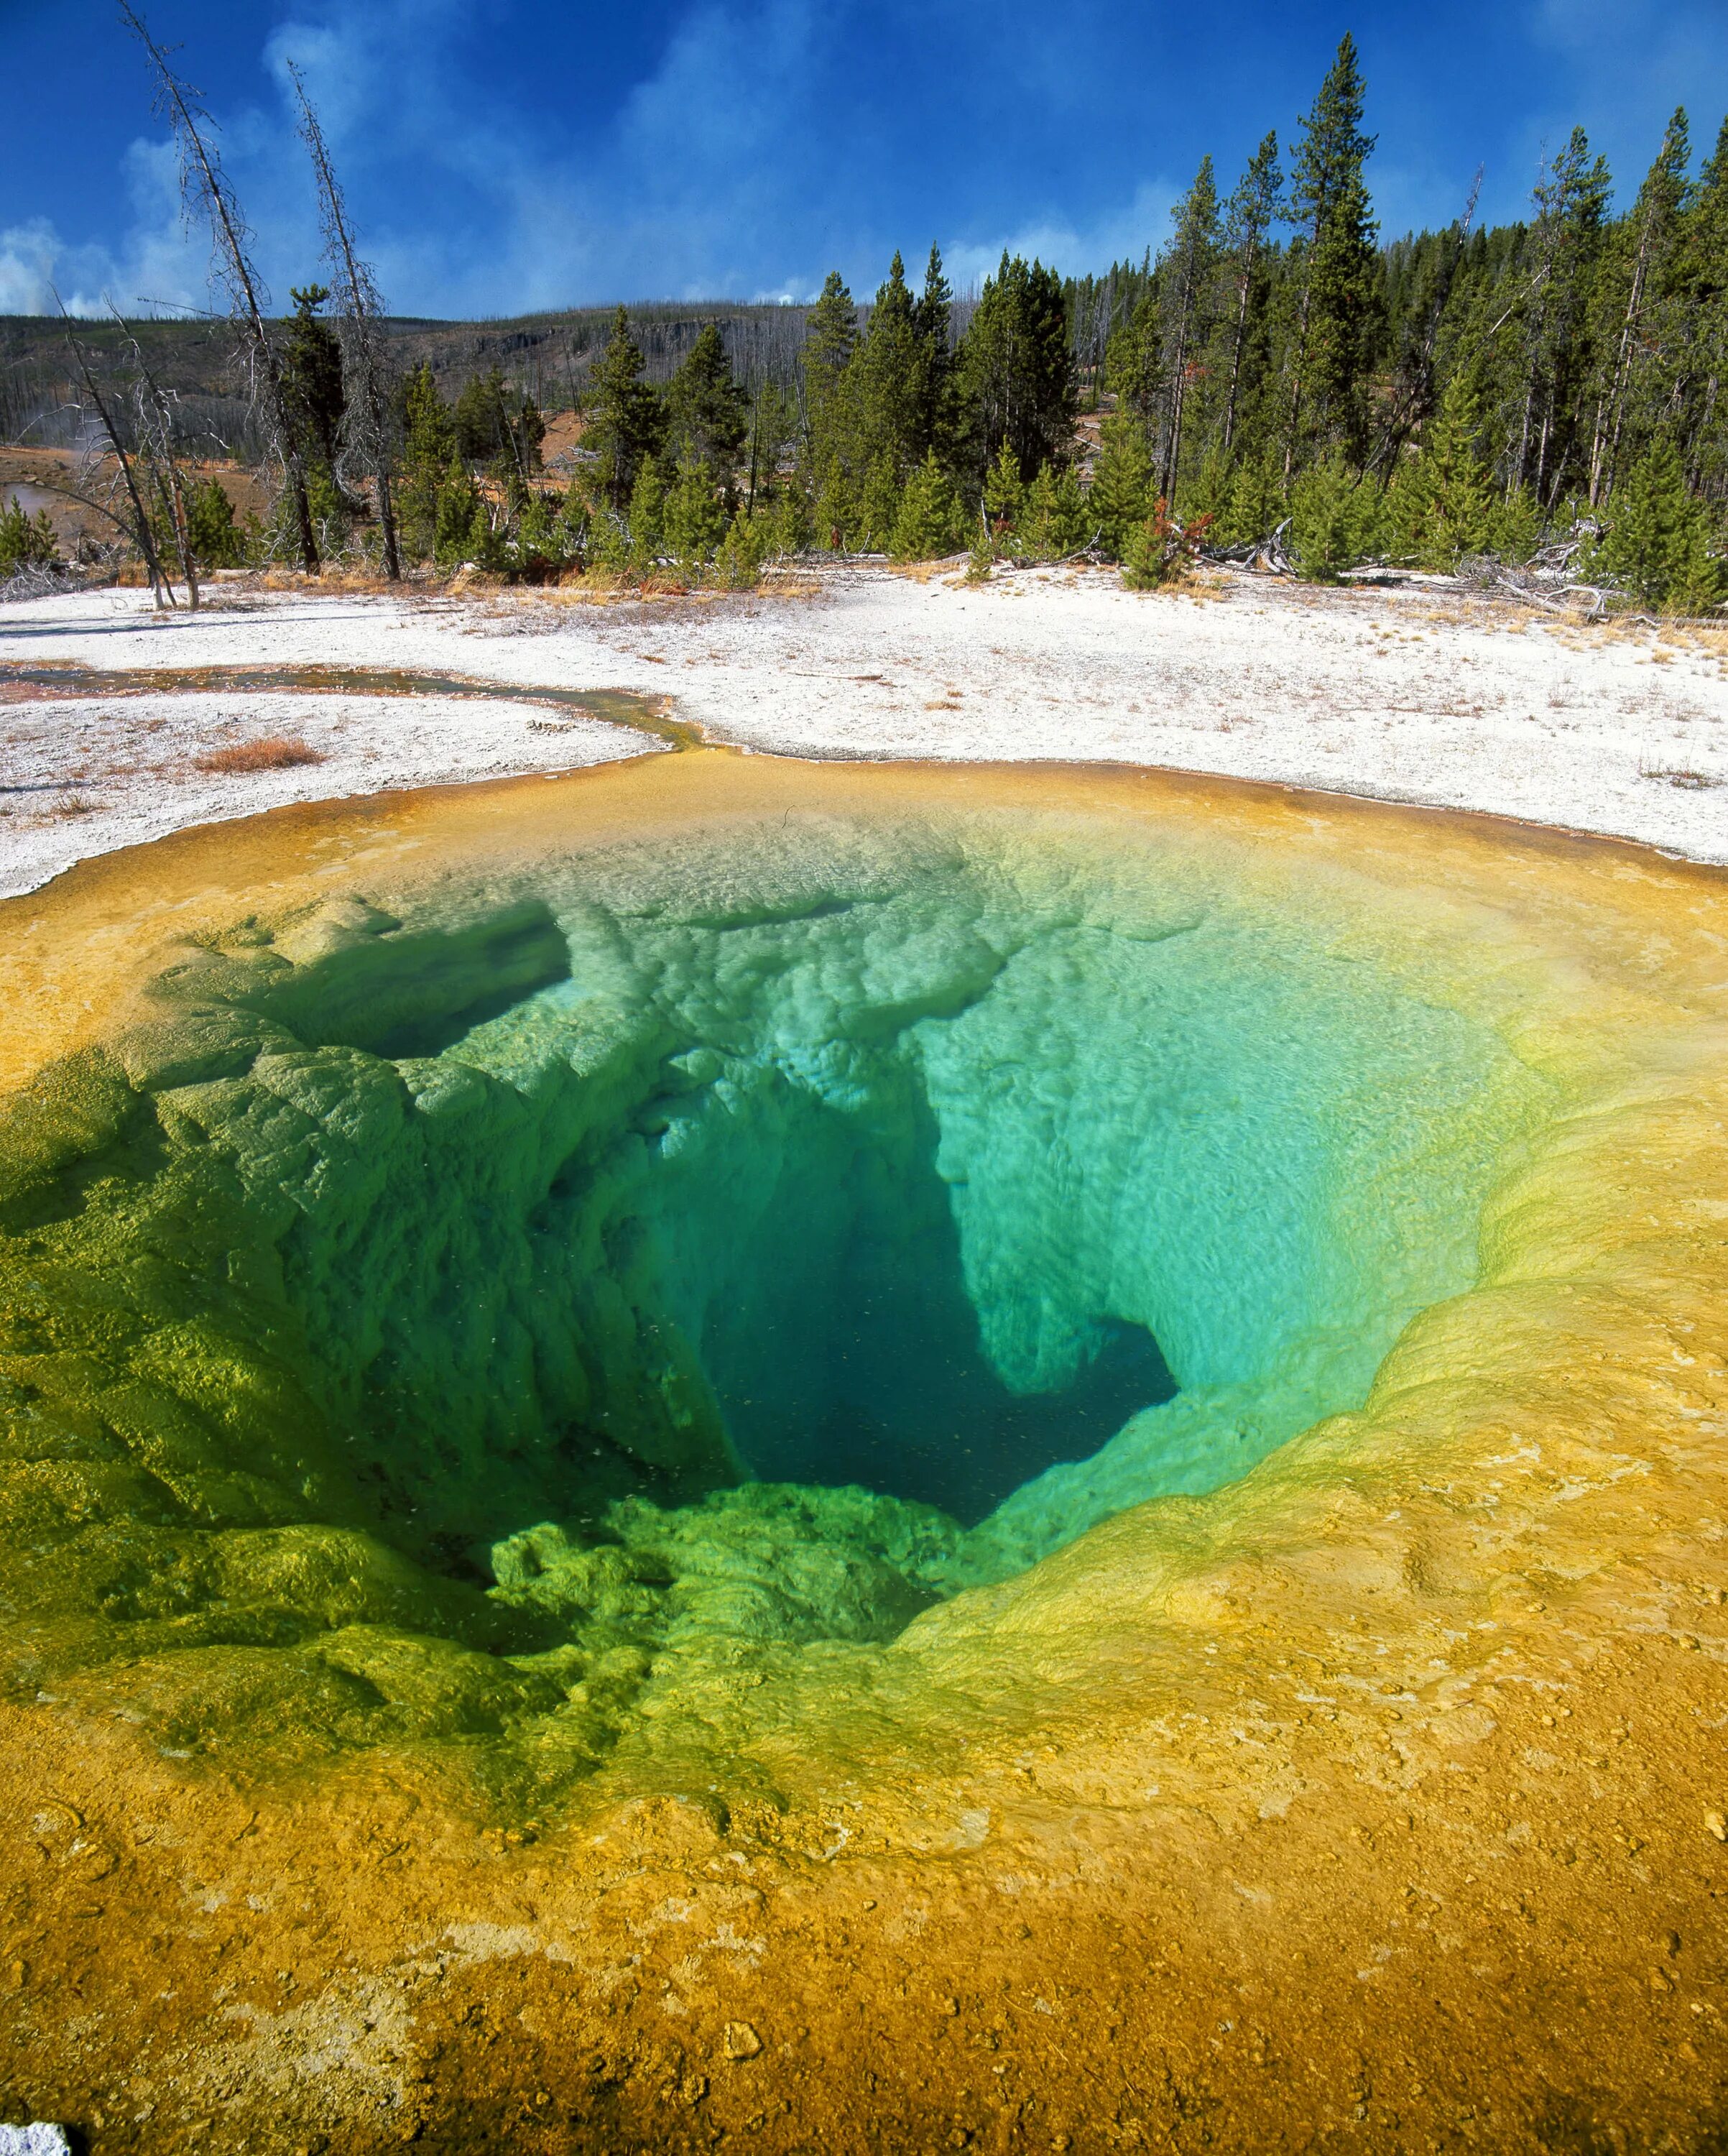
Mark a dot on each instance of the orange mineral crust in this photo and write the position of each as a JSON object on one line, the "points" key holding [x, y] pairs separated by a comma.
{"points": [[497, 1650]]}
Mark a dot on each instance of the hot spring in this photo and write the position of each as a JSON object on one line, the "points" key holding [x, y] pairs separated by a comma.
{"points": [[471, 1309], [862, 1456]]}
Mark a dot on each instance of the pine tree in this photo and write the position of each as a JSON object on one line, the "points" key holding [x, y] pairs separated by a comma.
{"points": [[878, 504], [429, 449], [932, 320], [1253, 210], [1255, 503], [773, 431], [312, 393], [707, 412], [1337, 273], [1657, 543], [790, 522], [1187, 284], [462, 528], [26, 542], [830, 340], [1571, 201], [1638, 290], [1333, 519], [647, 510], [1446, 506], [625, 421], [887, 381], [1015, 369], [1123, 482], [693, 522], [739, 563], [1004, 494], [836, 512], [482, 423], [1706, 277], [931, 521], [217, 540], [1055, 520]]}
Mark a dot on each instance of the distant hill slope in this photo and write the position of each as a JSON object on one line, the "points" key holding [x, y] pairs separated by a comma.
{"points": [[546, 354]]}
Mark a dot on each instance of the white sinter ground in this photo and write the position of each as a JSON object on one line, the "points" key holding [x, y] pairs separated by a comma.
{"points": [[1415, 694]]}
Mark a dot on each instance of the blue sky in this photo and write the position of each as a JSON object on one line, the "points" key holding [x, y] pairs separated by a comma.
{"points": [[503, 155]]}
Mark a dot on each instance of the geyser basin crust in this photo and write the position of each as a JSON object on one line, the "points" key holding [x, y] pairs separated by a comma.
{"points": [[422, 1220]]}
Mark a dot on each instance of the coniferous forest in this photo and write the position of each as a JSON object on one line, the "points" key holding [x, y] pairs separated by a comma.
{"points": [[1276, 381]]}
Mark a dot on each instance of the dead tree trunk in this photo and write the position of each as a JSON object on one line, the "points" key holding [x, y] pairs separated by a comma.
{"points": [[139, 529], [359, 305], [206, 188]]}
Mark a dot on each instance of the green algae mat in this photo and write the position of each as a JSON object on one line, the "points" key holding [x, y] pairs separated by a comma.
{"points": [[812, 1293]]}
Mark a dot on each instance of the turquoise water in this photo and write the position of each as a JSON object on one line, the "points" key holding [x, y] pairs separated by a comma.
{"points": [[1025, 1204]]}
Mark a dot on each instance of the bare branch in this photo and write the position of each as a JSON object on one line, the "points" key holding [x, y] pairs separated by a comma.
{"points": [[210, 198], [359, 305]]}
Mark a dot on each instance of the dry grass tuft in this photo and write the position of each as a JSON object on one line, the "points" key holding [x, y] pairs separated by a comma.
{"points": [[277, 752], [1693, 782]]}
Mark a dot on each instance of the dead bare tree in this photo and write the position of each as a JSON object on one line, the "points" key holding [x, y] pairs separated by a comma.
{"points": [[358, 307], [208, 195], [137, 527], [158, 452]]}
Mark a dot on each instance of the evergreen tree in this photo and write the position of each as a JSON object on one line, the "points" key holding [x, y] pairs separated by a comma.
{"points": [[1637, 295], [1155, 551], [429, 449], [1124, 484], [216, 540], [312, 395], [1186, 284], [1332, 519], [837, 511], [1004, 494], [1254, 208], [1572, 202], [888, 385], [693, 522], [878, 504], [625, 421], [830, 340], [461, 528], [1444, 503], [26, 542], [931, 521], [647, 510], [1337, 321], [1255, 503], [1705, 282], [482, 423], [1134, 360], [1056, 518], [739, 563], [1656, 543], [773, 431], [1015, 369], [791, 522], [708, 414], [932, 322], [429, 433]]}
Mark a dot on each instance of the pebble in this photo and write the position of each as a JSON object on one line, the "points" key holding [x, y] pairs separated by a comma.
{"points": [[738, 2041], [38, 2139]]}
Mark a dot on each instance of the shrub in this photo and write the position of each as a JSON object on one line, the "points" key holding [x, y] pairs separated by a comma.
{"points": [[1158, 550], [277, 752], [931, 521], [26, 543], [1335, 520], [1656, 543]]}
